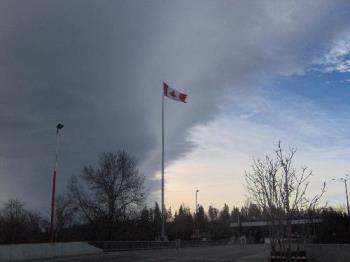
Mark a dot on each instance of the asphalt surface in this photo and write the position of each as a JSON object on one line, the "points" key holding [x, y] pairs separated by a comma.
{"points": [[230, 253]]}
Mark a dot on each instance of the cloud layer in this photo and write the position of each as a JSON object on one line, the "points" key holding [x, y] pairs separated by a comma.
{"points": [[98, 68]]}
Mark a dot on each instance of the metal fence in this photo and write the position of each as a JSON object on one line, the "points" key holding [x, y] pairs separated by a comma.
{"points": [[111, 246], [202, 243]]}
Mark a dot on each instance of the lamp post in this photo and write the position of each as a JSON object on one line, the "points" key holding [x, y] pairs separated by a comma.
{"points": [[344, 180], [52, 224], [196, 226], [196, 201]]}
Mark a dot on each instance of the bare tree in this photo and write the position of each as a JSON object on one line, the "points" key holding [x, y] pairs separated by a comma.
{"points": [[213, 213], [19, 225], [64, 213], [280, 190], [108, 191]]}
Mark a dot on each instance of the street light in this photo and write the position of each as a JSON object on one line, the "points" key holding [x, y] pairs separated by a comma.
{"points": [[52, 225], [196, 201], [344, 180], [196, 229]]}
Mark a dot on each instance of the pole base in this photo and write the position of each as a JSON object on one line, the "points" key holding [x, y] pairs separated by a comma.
{"points": [[163, 238]]}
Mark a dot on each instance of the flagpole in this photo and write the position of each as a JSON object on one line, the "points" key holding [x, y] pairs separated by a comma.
{"points": [[163, 215], [175, 95]]}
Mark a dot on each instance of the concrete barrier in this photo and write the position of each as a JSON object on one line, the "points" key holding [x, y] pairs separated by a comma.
{"points": [[46, 250]]}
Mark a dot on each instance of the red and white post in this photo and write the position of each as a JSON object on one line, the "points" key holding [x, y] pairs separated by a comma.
{"points": [[53, 196]]}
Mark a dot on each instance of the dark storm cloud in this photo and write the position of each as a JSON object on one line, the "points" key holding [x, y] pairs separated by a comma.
{"points": [[97, 66], [69, 62]]}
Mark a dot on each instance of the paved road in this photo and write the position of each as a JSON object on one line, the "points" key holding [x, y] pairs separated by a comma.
{"points": [[232, 253]]}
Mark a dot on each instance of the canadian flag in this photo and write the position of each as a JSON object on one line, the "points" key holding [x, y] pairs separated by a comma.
{"points": [[174, 94]]}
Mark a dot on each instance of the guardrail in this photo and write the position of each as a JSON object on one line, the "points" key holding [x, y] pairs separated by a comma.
{"points": [[111, 246]]}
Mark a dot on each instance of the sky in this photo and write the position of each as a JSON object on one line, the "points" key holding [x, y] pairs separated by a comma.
{"points": [[256, 72]]}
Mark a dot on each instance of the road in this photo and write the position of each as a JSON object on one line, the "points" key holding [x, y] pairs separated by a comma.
{"points": [[230, 253]]}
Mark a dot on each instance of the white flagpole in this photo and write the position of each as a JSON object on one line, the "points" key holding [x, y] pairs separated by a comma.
{"points": [[163, 215]]}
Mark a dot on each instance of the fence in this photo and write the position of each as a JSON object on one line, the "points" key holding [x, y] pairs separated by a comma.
{"points": [[110, 246]]}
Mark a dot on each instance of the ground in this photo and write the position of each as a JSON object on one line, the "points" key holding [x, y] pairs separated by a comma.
{"points": [[230, 253]]}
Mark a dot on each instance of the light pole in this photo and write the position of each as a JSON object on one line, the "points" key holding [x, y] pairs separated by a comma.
{"points": [[52, 225], [344, 180], [196, 228], [196, 201]]}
